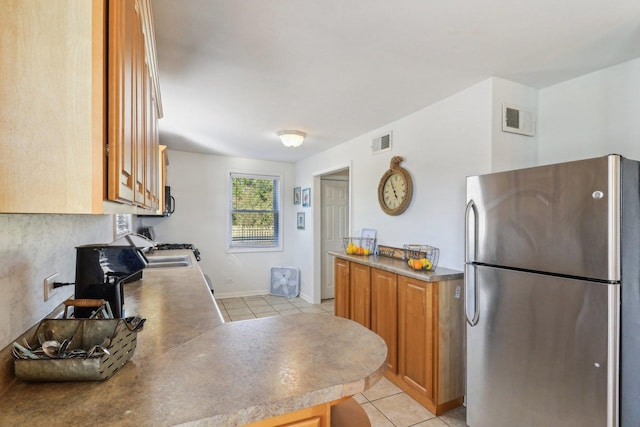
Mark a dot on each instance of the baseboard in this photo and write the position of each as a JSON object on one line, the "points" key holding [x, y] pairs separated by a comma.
{"points": [[306, 298]]}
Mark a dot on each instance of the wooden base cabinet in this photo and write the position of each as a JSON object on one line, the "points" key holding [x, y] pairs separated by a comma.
{"points": [[360, 294], [345, 412], [341, 284], [417, 334], [314, 416], [431, 342], [421, 322], [132, 107], [384, 312]]}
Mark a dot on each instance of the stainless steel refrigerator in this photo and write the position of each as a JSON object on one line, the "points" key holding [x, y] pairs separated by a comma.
{"points": [[552, 280]]}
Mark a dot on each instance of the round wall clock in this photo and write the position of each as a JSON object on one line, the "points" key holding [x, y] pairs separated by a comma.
{"points": [[395, 189]]}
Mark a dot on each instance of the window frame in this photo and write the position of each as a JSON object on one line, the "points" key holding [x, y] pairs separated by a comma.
{"points": [[234, 248]]}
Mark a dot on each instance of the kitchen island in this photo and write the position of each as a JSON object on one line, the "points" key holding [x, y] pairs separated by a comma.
{"points": [[191, 368]]}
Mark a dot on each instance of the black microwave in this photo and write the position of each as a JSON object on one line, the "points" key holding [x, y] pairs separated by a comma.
{"points": [[169, 202]]}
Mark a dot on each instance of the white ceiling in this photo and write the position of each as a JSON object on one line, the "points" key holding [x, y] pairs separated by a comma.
{"points": [[234, 72]]}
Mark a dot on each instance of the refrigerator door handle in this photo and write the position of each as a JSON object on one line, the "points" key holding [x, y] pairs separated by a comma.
{"points": [[471, 294], [470, 271], [470, 236]]}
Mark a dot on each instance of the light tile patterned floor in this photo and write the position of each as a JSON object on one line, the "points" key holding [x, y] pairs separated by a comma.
{"points": [[385, 404]]}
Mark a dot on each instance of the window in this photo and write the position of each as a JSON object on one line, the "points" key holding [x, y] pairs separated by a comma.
{"points": [[123, 225], [255, 211]]}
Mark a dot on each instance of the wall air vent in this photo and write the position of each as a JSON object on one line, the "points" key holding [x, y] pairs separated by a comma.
{"points": [[382, 143], [517, 120]]}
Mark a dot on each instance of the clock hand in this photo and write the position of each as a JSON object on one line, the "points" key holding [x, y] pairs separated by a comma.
{"points": [[394, 189]]}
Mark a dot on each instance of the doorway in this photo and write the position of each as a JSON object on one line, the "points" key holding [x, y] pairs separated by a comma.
{"points": [[334, 212]]}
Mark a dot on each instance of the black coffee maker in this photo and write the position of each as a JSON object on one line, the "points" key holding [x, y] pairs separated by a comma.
{"points": [[100, 272]]}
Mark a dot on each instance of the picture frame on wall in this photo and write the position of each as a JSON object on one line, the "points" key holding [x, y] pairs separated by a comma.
{"points": [[297, 196], [306, 197], [300, 220]]}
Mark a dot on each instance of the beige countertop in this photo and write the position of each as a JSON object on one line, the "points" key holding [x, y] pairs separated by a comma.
{"points": [[191, 368], [399, 266]]}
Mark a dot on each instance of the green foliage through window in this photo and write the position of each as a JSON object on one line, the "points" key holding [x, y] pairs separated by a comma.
{"points": [[255, 211]]}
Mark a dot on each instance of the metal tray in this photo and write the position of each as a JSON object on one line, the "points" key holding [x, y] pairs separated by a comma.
{"points": [[82, 334]]}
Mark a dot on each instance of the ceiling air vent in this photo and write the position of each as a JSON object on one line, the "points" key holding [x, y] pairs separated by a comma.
{"points": [[382, 143], [517, 120]]}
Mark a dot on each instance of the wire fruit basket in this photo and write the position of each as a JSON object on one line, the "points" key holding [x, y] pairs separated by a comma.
{"points": [[359, 245], [421, 257]]}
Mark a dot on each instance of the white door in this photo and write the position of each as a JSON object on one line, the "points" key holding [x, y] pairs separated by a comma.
{"points": [[335, 224]]}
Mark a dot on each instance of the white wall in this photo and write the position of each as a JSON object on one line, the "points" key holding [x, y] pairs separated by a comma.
{"points": [[592, 115], [512, 150], [199, 183], [440, 144], [33, 247]]}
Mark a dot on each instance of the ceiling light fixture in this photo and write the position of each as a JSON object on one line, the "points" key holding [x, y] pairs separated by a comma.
{"points": [[291, 138]]}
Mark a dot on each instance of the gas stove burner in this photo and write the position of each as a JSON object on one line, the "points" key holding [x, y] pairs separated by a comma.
{"points": [[169, 246], [166, 246]]}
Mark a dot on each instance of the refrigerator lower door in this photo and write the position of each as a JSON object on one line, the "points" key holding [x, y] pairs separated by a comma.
{"points": [[543, 351]]}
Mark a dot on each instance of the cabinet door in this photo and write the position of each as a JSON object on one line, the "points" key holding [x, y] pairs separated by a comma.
{"points": [[384, 313], [139, 103], [311, 422], [312, 416], [133, 109], [152, 175], [360, 294], [416, 318], [52, 107], [341, 283], [121, 83]]}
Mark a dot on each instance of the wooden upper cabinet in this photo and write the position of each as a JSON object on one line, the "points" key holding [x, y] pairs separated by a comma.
{"points": [[133, 137], [384, 312], [153, 172], [52, 101], [122, 137], [58, 111], [139, 102]]}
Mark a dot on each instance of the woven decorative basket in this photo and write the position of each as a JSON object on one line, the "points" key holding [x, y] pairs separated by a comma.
{"points": [[82, 334]]}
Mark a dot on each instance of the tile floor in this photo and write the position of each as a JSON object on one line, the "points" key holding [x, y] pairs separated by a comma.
{"points": [[385, 404]]}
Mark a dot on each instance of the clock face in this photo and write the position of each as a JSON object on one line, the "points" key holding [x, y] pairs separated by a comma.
{"points": [[394, 191]]}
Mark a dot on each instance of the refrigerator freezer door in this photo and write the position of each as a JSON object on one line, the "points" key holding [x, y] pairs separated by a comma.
{"points": [[542, 352], [560, 219]]}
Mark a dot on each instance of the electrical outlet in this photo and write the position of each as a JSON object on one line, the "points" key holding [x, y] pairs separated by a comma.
{"points": [[49, 290]]}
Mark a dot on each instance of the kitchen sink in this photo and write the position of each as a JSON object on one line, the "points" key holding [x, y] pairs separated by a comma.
{"points": [[168, 261]]}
